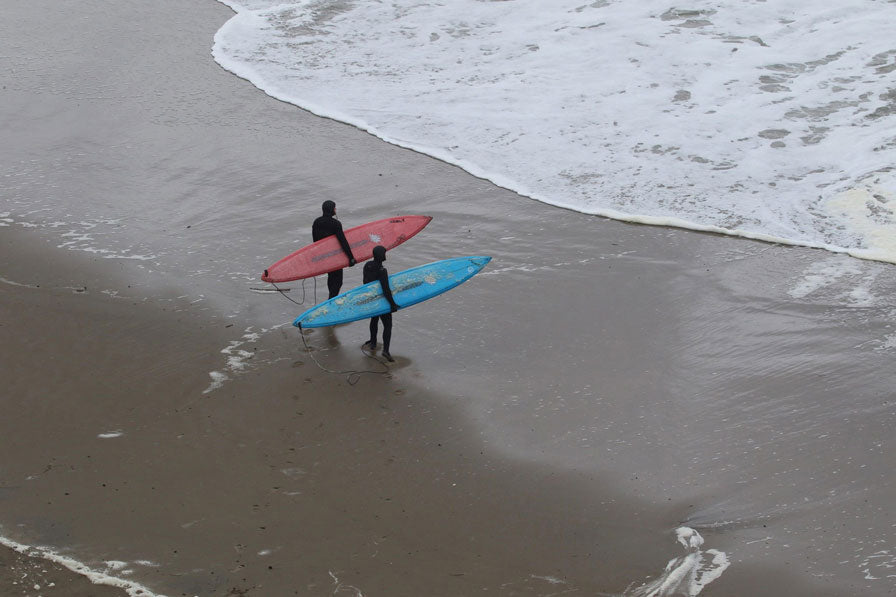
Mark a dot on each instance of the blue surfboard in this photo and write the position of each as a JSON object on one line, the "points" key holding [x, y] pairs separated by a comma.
{"points": [[409, 287]]}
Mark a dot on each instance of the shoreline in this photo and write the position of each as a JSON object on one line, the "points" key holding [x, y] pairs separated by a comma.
{"points": [[26, 569], [871, 229]]}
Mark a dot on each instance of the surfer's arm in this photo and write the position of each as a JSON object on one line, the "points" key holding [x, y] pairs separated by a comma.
{"points": [[343, 242], [387, 292]]}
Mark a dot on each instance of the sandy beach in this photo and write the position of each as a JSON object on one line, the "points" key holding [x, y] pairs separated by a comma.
{"points": [[546, 429]]}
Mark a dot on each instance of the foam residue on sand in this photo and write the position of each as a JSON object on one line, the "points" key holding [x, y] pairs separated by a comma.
{"points": [[689, 574], [109, 576], [237, 359], [110, 434]]}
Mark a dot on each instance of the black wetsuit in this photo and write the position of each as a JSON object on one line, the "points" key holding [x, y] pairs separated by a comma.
{"points": [[374, 270], [325, 226]]}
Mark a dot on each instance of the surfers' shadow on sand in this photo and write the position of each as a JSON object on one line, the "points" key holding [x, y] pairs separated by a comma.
{"points": [[320, 339], [398, 362], [323, 343]]}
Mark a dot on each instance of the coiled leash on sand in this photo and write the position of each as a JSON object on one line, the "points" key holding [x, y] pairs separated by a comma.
{"points": [[352, 376]]}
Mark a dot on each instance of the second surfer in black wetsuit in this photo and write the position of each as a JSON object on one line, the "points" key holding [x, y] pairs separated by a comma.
{"points": [[374, 270], [327, 225]]}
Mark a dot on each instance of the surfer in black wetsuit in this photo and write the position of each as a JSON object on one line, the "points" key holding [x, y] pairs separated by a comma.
{"points": [[374, 270], [327, 225]]}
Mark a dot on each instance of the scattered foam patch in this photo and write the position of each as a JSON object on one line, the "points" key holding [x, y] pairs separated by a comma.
{"points": [[688, 574], [110, 434], [116, 565], [97, 577], [237, 359], [844, 281], [888, 343], [11, 283], [82, 236], [880, 564], [548, 579], [823, 274], [218, 380], [341, 587]]}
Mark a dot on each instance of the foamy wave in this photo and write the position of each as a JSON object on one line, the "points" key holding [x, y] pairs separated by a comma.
{"points": [[687, 575], [97, 577], [769, 121]]}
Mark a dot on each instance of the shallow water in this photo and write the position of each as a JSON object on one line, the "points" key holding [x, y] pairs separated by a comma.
{"points": [[752, 385]]}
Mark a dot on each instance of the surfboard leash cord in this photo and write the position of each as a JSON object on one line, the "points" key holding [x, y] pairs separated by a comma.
{"points": [[282, 292], [352, 376]]}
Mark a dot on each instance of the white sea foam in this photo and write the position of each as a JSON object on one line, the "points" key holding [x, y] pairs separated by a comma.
{"points": [[81, 236], [823, 274], [878, 565], [218, 379], [549, 579], [769, 120], [686, 575], [888, 343], [97, 577], [237, 359], [116, 564], [844, 281], [11, 283], [110, 434]]}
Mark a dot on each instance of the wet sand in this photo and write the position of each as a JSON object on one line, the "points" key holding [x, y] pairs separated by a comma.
{"points": [[21, 574], [287, 480], [280, 478], [290, 480]]}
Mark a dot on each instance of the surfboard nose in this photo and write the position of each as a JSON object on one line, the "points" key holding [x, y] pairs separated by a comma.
{"points": [[264, 276]]}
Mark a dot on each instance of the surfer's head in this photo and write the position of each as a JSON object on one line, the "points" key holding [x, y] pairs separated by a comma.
{"points": [[329, 208], [379, 253]]}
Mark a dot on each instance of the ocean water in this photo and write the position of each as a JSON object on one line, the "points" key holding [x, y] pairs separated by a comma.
{"points": [[769, 120]]}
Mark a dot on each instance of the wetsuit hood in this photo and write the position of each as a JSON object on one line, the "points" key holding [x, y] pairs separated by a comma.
{"points": [[329, 208], [379, 253]]}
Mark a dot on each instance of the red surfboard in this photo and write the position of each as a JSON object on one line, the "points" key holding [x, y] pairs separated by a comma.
{"points": [[326, 255]]}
